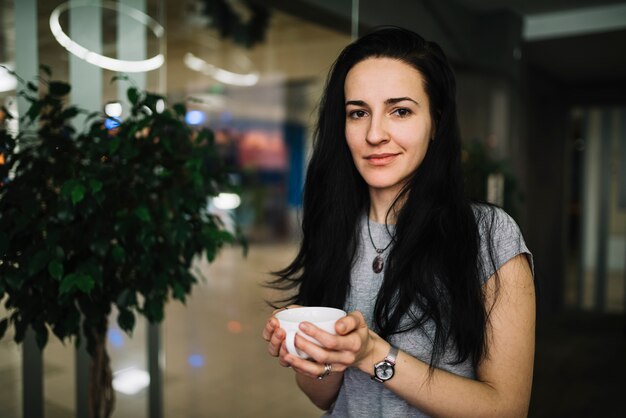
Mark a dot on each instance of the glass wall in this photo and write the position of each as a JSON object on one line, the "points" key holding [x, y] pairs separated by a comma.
{"points": [[598, 210], [251, 73]]}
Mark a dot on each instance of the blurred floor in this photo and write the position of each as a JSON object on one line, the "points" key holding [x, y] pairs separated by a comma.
{"points": [[216, 363], [580, 365]]}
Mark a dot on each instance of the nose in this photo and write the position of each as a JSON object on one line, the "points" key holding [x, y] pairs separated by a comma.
{"points": [[377, 132]]}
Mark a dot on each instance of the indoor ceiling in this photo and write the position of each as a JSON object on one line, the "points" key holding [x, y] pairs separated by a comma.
{"points": [[593, 57], [280, 58], [571, 58], [529, 7], [582, 43]]}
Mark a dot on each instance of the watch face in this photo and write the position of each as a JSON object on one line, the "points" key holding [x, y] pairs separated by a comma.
{"points": [[384, 370]]}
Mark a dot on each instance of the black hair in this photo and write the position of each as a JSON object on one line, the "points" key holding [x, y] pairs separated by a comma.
{"points": [[432, 271]]}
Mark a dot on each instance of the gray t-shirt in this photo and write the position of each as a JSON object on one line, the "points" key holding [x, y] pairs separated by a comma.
{"points": [[359, 396]]}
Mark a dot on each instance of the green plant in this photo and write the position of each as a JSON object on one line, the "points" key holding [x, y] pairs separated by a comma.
{"points": [[478, 164], [99, 218]]}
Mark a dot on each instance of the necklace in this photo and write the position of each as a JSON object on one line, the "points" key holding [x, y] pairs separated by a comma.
{"points": [[379, 263]]}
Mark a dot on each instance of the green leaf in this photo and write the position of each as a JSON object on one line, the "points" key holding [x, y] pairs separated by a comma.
{"points": [[55, 268], [206, 135], [160, 281], [69, 113], [114, 144], [59, 88], [126, 320], [153, 309], [99, 247], [41, 336], [38, 262], [76, 281], [178, 290], [92, 269], [179, 109], [67, 187], [78, 193], [59, 252], [85, 284], [118, 253], [15, 282], [122, 77], [20, 326], [133, 95], [142, 213], [3, 326], [125, 299], [152, 99], [33, 111], [95, 185], [46, 69]]}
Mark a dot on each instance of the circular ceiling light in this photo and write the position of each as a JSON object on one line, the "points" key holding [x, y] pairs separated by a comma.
{"points": [[224, 76], [101, 60]]}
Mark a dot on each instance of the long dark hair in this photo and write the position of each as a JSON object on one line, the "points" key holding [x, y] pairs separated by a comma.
{"points": [[432, 271]]}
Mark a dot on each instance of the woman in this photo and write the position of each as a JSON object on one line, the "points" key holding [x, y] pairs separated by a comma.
{"points": [[439, 290]]}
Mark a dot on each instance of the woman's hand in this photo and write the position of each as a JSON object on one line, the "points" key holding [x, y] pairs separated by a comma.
{"points": [[275, 336], [351, 347]]}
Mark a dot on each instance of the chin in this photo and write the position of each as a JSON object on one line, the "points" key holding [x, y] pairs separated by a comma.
{"points": [[380, 185]]}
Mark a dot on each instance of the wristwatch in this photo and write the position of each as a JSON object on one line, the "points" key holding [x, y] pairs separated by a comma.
{"points": [[384, 370]]}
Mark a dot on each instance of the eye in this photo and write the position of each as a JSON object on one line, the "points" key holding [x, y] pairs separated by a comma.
{"points": [[357, 114], [402, 112]]}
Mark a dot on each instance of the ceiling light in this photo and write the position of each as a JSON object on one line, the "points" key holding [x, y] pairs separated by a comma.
{"points": [[101, 60], [224, 76]]}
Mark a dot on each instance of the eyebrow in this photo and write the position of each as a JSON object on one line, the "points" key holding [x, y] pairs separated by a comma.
{"points": [[390, 101]]}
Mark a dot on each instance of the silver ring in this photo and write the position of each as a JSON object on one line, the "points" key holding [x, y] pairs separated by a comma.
{"points": [[326, 372]]}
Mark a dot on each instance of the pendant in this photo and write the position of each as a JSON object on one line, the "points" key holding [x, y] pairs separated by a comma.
{"points": [[378, 264]]}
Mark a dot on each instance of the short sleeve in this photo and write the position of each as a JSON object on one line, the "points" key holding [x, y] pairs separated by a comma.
{"points": [[500, 240]]}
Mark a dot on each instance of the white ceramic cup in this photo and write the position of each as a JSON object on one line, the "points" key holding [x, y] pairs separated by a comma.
{"points": [[322, 317]]}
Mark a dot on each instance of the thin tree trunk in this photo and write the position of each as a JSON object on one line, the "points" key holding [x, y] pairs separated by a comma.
{"points": [[101, 393]]}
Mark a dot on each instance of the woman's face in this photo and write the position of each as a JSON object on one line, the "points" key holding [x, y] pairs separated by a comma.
{"points": [[388, 124]]}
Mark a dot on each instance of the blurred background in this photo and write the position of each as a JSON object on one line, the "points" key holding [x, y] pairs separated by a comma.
{"points": [[542, 103]]}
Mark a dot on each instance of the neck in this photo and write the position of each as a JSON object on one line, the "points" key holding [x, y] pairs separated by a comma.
{"points": [[380, 203]]}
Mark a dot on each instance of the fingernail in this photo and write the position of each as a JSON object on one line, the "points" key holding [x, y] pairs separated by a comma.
{"points": [[341, 327], [304, 326]]}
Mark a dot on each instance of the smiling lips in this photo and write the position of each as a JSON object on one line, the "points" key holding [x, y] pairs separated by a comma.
{"points": [[381, 159]]}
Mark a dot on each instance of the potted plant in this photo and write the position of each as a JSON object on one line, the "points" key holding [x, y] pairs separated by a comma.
{"points": [[478, 165], [102, 217]]}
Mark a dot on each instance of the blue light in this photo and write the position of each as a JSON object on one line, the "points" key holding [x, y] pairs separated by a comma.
{"points": [[195, 360], [112, 123], [195, 117], [116, 338]]}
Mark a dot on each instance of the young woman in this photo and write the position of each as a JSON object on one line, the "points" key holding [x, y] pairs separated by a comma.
{"points": [[439, 289]]}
